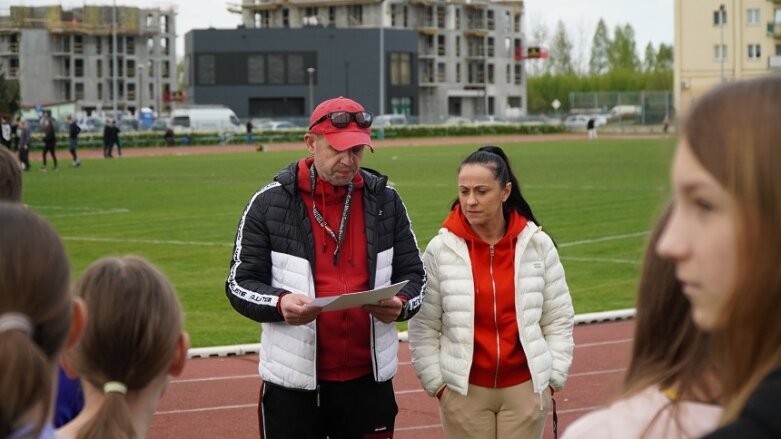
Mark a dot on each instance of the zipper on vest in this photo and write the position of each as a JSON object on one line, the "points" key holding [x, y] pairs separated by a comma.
{"points": [[496, 317]]}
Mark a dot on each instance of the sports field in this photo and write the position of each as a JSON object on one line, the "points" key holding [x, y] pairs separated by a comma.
{"points": [[597, 199]]}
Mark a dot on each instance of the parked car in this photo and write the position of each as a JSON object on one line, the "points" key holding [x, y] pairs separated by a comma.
{"points": [[205, 118], [458, 120], [579, 121], [91, 124], [273, 125], [384, 120]]}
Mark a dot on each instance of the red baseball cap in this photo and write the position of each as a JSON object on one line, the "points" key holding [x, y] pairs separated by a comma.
{"points": [[340, 138]]}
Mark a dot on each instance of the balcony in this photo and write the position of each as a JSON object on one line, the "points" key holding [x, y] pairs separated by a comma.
{"points": [[774, 62], [774, 29]]}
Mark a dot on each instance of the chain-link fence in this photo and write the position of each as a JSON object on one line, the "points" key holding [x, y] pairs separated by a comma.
{"points": [[641, 107]]}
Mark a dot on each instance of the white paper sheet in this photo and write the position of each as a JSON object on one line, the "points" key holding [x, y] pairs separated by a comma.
{"points": [[351, 300]]}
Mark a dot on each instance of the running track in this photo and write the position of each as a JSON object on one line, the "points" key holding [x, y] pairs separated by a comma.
{"points": [[217, 397]]}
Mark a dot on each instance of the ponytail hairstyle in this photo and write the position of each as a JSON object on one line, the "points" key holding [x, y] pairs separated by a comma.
{"points": [[135, 322], [494, 158], [34, 284]]}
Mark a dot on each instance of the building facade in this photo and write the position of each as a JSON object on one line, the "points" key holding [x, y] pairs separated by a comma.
{"points": [[723, 40], [284, 73], [467, 61], [62, 55]]}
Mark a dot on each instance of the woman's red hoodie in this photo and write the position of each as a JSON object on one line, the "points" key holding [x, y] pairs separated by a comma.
{"points": [[498, 359]]}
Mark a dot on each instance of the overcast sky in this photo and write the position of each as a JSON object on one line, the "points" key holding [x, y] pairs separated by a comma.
{"points": [[651, 19]]}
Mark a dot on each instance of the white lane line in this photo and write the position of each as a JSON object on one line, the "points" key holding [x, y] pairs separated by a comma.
{"points": [[200, 380], [147, 241], [603, 343], [598, 372], [584, 409], [90, 213], [603, 239], [207, 409], [608, 260]]}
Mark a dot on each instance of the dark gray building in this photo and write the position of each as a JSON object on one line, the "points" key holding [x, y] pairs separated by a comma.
{"points": [[284, 72]]}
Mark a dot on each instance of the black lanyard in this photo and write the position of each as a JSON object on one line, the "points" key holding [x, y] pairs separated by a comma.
{"points": [[321, 221]]}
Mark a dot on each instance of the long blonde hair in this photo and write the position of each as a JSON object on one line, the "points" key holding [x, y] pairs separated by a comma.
{"points": [[734, 132], [135, 321]]}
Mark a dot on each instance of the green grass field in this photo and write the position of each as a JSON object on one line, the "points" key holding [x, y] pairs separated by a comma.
{"points": [[597, 199]]}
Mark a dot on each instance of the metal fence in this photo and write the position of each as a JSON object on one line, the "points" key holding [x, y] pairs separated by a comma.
{"points": [[640, 107]]}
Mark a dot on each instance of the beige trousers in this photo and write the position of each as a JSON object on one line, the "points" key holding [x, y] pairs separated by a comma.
{"points": [[510, 412]]}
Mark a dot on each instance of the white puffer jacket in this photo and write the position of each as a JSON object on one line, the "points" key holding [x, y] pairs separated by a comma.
{"points": [[441, 335]]}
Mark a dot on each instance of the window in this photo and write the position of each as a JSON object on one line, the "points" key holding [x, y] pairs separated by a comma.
{"points": [[310, 16], [256, 69], [441, 48], [490, 46], [406, 16], [507, 78], [458, 46], [402, 105], [165, 69], [332, 15], [78, 90], [78, 65], [754, 51], [98, 45], [78, 44], [355, 15], [458, 18], [99, 68], [262, 20], [518, 73], [400, 68], [295, 69], [458, 73], [517, 22], [752, 17], [441, 72], [276, 68], [130, 46], [164, 46], [100, 91], [441, 16], [720, 51], [207, 67], [394, 11], [719, 17], [490, 20], [286, 17], [490, 73]]}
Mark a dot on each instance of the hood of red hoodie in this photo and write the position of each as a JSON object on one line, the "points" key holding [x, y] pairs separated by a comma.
{"points": [[457, 223]]}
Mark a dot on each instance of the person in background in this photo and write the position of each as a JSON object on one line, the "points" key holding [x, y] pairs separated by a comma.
{"points": [[49, 142], [249, 132], [591, 126], [15, 134], [325, 227], [724, 238], [108, 140], [73, 141], [38, 319], [133, 343], [671, 387], [5, 132], [25, 140], [493, 338]]}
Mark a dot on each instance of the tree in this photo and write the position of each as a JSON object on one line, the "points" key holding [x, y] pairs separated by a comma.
{"points": [[9, 95], [560, 55], [622, 53], [598, 63], [664, 57], [649, 62]]}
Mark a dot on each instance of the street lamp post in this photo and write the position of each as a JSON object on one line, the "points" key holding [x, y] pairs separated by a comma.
{"points": [[722, 49], [140, 87], [382, 57], [311, 72], [114, 67]]}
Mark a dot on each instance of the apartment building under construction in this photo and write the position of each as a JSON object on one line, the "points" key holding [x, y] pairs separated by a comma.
{"points": [[62, 55]]}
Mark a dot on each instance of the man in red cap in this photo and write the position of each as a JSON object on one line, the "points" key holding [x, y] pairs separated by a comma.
{"points": [[325, 227]]}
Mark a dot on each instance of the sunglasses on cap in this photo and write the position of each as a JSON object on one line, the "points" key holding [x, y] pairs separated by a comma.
{"points": [[341, 119]]}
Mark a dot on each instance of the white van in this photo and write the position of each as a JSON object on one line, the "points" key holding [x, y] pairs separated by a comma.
{"points": [[205, 118]]}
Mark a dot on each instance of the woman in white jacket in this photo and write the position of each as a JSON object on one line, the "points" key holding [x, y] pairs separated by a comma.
{"points": [[493, 337]]}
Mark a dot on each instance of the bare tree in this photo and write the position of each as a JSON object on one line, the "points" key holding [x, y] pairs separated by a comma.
{"points": [[539, 37]]}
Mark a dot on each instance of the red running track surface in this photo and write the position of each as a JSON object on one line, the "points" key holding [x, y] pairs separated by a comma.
{"points": [[217, 397]]}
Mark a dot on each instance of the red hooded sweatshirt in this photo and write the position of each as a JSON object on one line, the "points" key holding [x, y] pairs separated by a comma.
{"points": [[343, 351], [498, 359]]}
